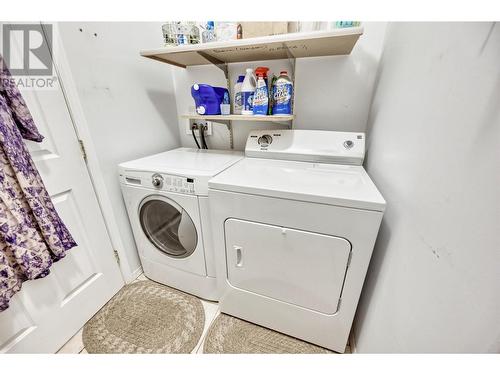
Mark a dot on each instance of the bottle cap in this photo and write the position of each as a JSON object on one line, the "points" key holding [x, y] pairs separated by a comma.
{"points": [[263, 70], [284, 72]]}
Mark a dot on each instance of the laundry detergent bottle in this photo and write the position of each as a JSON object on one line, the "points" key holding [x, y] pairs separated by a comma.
{"points": [[260, 97], [282, 95], [247, 91], [238, 100]]}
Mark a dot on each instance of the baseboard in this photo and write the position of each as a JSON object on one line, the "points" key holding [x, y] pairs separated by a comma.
{"points": [[134, 275], [352, 340]]}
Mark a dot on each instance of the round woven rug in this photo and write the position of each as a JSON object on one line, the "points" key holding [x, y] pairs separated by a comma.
{"points": [[146, 317], [235, 336]]}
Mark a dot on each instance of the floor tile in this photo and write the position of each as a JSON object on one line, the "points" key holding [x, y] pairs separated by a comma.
{"points": [[211, 311], [74, 344]]}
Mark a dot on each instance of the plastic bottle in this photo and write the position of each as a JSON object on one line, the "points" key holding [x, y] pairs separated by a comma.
{"points": [[282, 95], [238, 102], [261, 97], [247, 91], [208, 35], [264, 70], [271, 95]]}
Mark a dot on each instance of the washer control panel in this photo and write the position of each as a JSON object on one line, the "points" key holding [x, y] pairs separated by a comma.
{"points": [[159, 181], [176, 184]]}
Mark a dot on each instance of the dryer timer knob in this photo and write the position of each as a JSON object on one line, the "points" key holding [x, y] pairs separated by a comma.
{"points": [[157, 180], [348, 144], [265, 140]]}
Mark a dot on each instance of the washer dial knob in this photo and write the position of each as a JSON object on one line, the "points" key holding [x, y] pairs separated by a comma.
{"points": [[265, 140], [157, 180]]}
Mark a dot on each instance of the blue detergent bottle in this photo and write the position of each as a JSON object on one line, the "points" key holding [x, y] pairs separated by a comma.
{"points": [[282, 95], [261, 97]]}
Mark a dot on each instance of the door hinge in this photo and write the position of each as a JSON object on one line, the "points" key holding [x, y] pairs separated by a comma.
{"points": [[117, 256], [82, 149]]}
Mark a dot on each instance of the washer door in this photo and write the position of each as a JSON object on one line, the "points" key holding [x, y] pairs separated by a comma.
{"points": [[168, 226]]}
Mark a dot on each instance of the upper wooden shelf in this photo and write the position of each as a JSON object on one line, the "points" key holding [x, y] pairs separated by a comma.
{"points": [[317, 43]]}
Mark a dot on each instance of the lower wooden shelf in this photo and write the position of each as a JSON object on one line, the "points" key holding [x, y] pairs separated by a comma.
{"points": [[274, 118]]}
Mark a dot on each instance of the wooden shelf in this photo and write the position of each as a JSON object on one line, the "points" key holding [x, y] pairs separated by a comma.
{"points": [[312, 44], [276, 118]]}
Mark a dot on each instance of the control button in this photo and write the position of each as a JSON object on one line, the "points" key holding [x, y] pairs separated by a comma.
{"points": [[157, 180], [265, 140], [348, 144]]}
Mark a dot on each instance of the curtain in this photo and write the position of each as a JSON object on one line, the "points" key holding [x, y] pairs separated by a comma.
{"points": [[32, 235]]}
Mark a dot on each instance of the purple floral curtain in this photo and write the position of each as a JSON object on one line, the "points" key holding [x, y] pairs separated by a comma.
{"points": [[32, 235]]}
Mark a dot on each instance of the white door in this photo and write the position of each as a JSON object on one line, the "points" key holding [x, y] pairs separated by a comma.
{"points": [[48, 311]]}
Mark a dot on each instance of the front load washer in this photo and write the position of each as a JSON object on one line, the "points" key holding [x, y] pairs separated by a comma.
{"points": [[166, 199], [294, 227]]}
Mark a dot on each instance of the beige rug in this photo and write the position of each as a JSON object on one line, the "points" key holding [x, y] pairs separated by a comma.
{"points": [[146, 317], [231, 335]]}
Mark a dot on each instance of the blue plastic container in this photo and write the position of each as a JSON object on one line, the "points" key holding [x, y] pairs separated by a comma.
{"points": [[208, 98]]}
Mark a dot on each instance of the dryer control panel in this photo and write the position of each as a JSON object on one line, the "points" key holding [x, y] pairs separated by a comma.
{"points": [[307, 145]]}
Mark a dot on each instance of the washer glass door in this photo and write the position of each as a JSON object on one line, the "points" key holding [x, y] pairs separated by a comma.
{"points": [[168, 226]]}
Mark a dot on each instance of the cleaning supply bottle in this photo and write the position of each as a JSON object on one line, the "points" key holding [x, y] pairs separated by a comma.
{"points": [[238, 101], [271, 95], [208, 35], [261, 97], [262, 70], [247, 91], [282, 95]]}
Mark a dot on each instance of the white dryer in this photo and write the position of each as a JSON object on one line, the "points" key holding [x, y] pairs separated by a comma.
{"points": [[166, 199], [294, 227]]}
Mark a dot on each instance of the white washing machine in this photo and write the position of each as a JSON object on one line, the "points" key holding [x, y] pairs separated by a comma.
{"points": [[294, 227], [166, 199]]}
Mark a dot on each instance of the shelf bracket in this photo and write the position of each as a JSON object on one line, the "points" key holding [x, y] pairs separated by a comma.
{"points": [[229, 127], [291, 59], [218, 63]]}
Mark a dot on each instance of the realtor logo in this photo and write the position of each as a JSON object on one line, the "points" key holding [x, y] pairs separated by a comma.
{"points": [[26, 49]]}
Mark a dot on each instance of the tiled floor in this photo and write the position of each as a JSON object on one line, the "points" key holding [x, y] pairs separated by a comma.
{"points": [[75, 344]]}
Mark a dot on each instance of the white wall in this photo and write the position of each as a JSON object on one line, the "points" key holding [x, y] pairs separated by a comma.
{"points": [[332, 93], [128, 103], [434, 280]]}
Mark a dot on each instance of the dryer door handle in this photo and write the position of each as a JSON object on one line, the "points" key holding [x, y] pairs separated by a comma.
{"points": [[239, 256]]}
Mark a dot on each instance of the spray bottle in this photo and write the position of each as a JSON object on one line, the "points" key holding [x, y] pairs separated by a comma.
{"points": [[261, 97]]}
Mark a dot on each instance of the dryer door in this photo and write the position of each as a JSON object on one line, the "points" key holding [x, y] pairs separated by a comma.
{"points": [[298, 267], [168, 226]]}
